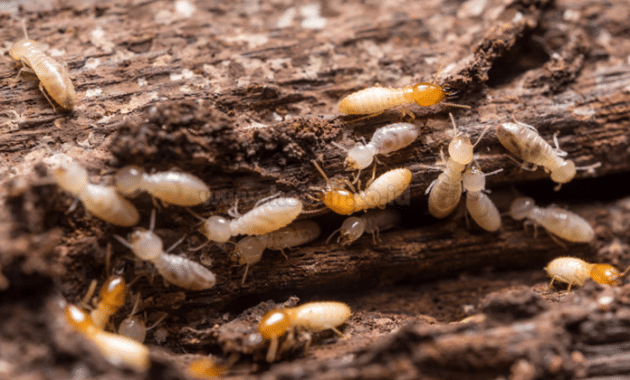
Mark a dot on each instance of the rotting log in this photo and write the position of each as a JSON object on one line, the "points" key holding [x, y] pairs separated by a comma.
{"points": [[246, 106]]}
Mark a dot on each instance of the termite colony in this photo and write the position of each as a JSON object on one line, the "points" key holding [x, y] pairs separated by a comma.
{"points": [[272, 223]]}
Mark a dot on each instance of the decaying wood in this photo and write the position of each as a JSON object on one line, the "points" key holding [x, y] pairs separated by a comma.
{"points": [[228, 95]]}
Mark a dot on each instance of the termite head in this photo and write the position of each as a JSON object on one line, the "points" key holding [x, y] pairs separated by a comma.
{"points": [[216, 228], [129, 180], [351, 229], [145, 244], [428, 94], [606, 274], [274, 324], [521, 208], [71, 177], [564, 173], [113, 292], [78, 319], [460, 149], [474, 179], [335, 198], [359, 157], [21, 46]]}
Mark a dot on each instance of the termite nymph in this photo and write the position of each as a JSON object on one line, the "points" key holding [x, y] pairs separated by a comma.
{"points": [[117, 349], [262, 219], [173, 187], [251, 248], [377, 99], [576, 271], [378, 193], [373, 222], [556, 221], [523, 141], [177, 270], [312, 316], [134, 327], [101, 201], [446, 191], [51, 74], [385, 140], [479, 205]]}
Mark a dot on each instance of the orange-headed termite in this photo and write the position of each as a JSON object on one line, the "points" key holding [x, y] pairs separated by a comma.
{"points": [[375, 100], [555, 220], [575, 271], [51, 74], [117, 349], [173, 187], [312, 316], [378, 193], [250, 249]]}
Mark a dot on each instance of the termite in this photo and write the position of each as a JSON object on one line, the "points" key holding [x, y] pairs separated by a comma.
{"points": [[446, 191], [385, 140], [177, 270], [479, 205], [523, 141], [312, 316], [250, 249], [117, 349], [208, 368], [112, 298], [378, 193], [556, 221], [575, 271], [260, 220], [52, 75], [173, 187], [373, 222], [134, 327], [101, 201], [377, 99]]}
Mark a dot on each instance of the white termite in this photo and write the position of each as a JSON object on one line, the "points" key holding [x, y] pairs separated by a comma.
{"points": [[523, 141], [134, 327], [479, 205], [177, 270], [576, 271], [52, 75], [372, 221], [173, 187], [102, 201], [385, 140], [260, 220], [446, 190], [250, 249], [555, 220]]}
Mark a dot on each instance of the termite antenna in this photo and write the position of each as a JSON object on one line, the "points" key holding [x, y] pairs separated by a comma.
{"points": [[333, 234], [152, 222], [199, 247], [24, 29], [123, 241], [175, 244], [438, 72], [456, 105], [321, 171], [481, 136]]}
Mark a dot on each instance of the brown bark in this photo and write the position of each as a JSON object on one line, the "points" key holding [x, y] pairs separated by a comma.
{"points": [[227, 95]]}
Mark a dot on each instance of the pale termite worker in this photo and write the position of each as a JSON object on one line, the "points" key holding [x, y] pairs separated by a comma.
{"points": [[576, 271], [378, 193], [479, 205], [101, 201], [52, 75], [260, 220], [177, 270], [377, 99], [134, 327], [372, 221], [117, 349], [523, 141], [250, 249], [312, 316], [385, 140], [446, 190], [555, 220], [172, 187]]}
